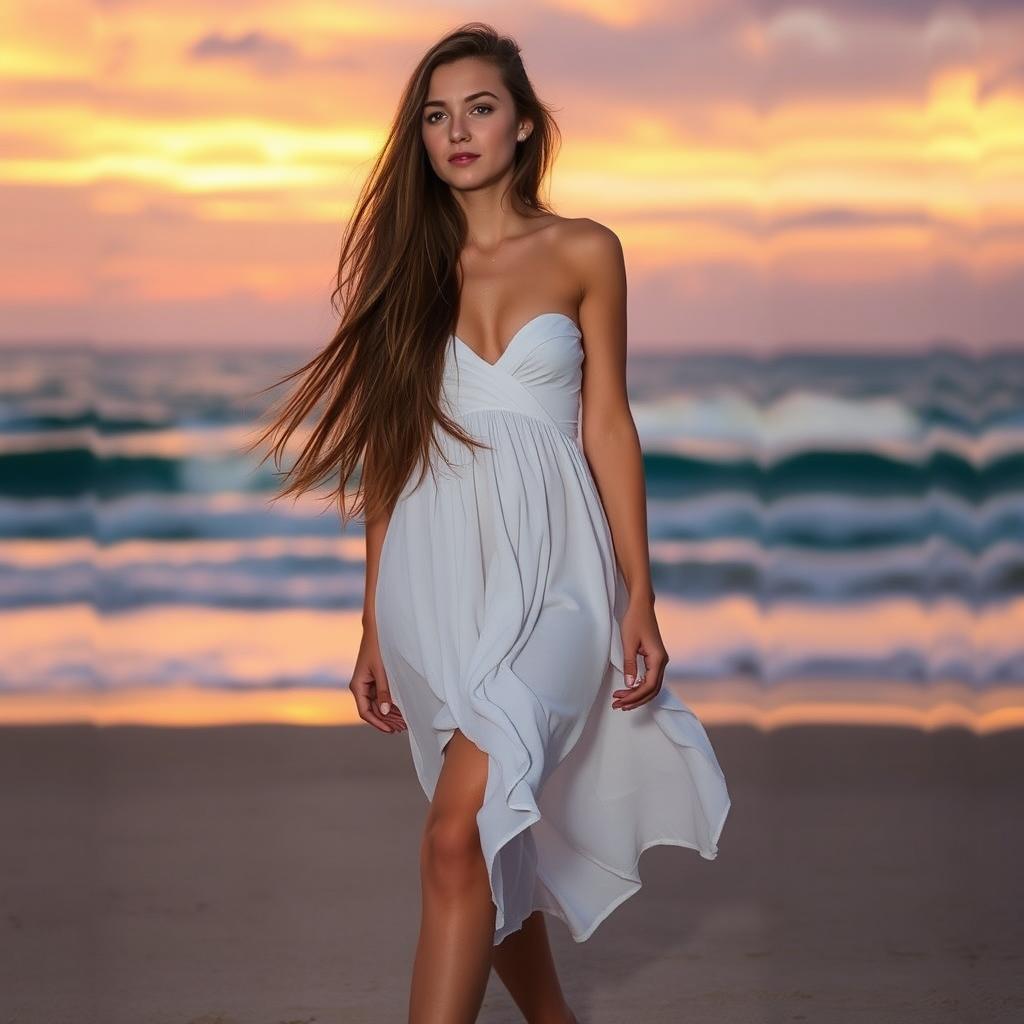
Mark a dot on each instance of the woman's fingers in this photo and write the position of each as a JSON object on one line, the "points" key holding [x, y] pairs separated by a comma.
{"points": [[649, 687], [364, 688], [394, 716], [385, 704], [367, 713], [374, 701]]}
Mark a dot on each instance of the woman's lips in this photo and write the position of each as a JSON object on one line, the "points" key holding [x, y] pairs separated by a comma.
{"points": [[460, 160]]}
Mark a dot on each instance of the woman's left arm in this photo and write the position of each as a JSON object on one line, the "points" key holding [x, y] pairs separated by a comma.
{"points": [[612, 448]]}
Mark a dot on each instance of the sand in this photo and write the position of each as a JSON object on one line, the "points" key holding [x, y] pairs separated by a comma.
{"points": [[268, 873]]}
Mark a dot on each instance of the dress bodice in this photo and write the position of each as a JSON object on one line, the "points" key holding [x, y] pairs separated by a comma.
{"points": [[538, 374]]}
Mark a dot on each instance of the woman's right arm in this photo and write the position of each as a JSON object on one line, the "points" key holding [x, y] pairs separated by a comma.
{"points": [[375, 531], [369, 683]]}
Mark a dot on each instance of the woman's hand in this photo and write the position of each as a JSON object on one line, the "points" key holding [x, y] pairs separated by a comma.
{"points": [[370, 687], [640, 633]]}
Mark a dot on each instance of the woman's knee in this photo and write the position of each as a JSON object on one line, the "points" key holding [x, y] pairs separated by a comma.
{"points": [[450, 854]]}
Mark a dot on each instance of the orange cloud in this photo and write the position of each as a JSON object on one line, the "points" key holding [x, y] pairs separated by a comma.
{"points": [[216, 160]]}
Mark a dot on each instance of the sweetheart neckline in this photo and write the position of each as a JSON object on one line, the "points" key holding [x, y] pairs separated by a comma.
{"points": [[512, 340]]}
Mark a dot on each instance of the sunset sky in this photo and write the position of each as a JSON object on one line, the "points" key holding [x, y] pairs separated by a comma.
{"points": [[843, 172]]}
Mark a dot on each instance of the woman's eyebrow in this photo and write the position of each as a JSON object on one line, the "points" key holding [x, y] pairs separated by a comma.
{"points": [[471, 96]]}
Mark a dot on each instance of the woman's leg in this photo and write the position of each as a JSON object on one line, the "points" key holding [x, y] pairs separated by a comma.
{"points": [[456, 941], [526, 967], [455, 951]]}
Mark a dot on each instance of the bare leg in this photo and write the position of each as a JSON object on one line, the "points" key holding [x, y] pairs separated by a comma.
{"points": [[524, 963], [456, 942]]}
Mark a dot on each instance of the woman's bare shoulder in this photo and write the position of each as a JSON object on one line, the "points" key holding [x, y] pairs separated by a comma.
{"points": [[592, 248], [584, 231]]}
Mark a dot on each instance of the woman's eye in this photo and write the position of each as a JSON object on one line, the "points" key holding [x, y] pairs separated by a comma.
{"points": [[436, 113]]}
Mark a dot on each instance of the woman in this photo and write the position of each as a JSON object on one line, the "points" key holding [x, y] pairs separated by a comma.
{"points": [[508, 590]]}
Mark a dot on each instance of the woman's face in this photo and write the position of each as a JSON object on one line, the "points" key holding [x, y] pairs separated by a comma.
{"points": [[469, 110]]}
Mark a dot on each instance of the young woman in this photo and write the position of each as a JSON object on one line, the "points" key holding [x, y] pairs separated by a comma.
{"points": [[509, 621]]}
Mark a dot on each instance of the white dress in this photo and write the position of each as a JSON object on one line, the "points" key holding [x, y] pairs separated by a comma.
{"points": [[498, 607]]}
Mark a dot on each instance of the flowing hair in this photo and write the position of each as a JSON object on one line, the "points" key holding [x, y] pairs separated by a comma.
{"points": [[378, 379]]}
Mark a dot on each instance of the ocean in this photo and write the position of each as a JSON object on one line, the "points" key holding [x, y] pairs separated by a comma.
{"points": [[838, 520]]}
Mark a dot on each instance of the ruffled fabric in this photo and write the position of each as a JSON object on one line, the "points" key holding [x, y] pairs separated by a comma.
{"points": [[498, 609]]}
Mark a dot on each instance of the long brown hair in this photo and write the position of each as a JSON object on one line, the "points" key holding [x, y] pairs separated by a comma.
{"points": [[379, 377]]}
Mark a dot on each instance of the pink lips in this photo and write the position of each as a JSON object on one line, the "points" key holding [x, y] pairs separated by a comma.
{"points": [[463, 158]]}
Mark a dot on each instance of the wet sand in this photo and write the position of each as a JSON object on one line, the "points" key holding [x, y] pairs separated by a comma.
{"points": [[268, 873]]}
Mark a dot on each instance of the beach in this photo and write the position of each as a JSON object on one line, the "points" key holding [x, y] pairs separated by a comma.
{"points": [[262, 874]]}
